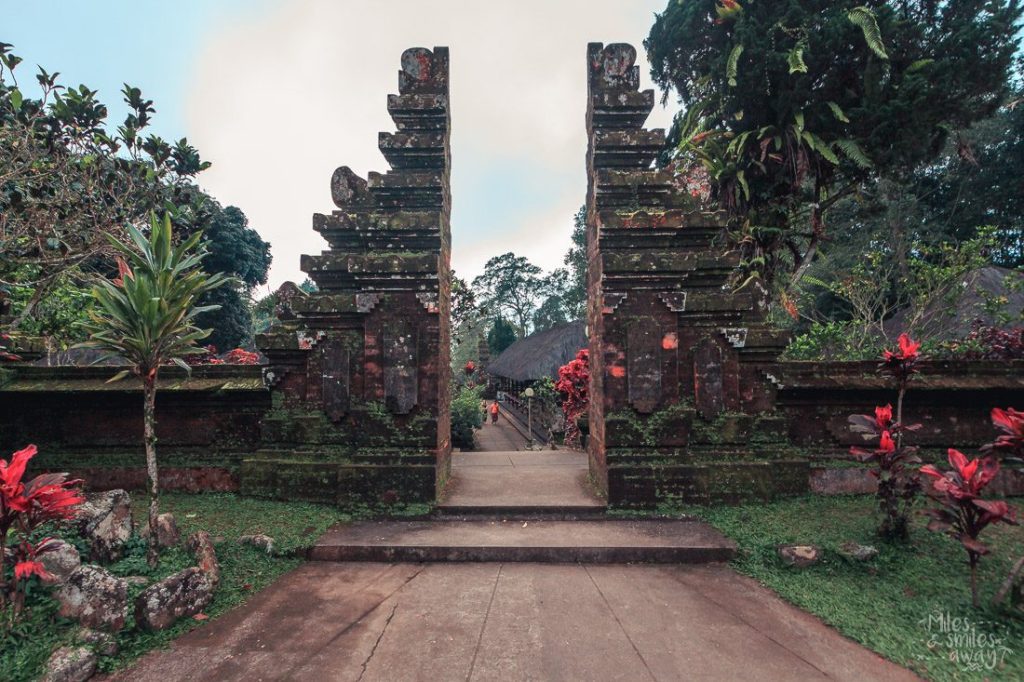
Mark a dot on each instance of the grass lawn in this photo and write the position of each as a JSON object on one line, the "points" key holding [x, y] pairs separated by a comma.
{"points": [[885, 603], [245, 570]]}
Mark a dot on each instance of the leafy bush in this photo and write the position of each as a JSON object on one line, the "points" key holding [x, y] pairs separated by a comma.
{"points": [[574, 383], [898, 483], [466, 416], [24, 508], [961, 514], [830, 341], [989, 343]]}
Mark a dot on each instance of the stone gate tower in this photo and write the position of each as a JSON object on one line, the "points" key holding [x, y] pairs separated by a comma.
{"points": [[682, 396], [359, 370]]}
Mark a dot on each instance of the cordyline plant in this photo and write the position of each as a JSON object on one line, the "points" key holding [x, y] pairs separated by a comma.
{"points": [[24, 507], [895, 462], [961, 513], [5, 353], [146, 316], [574, 383], [1009, 448]]}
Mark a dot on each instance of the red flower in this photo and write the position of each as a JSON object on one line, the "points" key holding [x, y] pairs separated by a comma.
{"points": [[470, 367], [11, 487], [883, 417], [25, 569], [887, 444], [900, 363]]}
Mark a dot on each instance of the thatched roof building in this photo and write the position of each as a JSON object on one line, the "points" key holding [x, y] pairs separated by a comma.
{"points": [[541, 354]]}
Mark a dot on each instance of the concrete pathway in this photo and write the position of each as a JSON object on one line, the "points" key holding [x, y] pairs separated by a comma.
{"points": [[542, 481], [498, 437], [438, 622]]}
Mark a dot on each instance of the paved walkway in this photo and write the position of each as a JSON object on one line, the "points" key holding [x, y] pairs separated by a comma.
{"points": [[440, 622], [541, 480], [498, 437]]}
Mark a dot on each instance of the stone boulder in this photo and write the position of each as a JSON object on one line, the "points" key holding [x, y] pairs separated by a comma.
{"points": [[857, 552], [201, 546], [103, 643], [183, 594], [70, 664], [264, 542], [167, 533], [799, 556], [61, 561], [105, 520], [96, 598]]}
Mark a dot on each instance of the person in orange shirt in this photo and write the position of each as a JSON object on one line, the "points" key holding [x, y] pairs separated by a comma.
{"points": [[494, 412]]}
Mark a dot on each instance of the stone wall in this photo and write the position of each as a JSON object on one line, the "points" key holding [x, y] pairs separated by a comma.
{"points": [[206, 424]]}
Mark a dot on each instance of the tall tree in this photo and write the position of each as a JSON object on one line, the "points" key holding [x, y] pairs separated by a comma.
{"points": [[66, 180], [575, 296], [501, 335], [511, 285], [792, 104], [147, 317], [237, 250]]}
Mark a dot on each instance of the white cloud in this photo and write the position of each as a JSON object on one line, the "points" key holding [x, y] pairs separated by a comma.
{"points": [[282, 99]]}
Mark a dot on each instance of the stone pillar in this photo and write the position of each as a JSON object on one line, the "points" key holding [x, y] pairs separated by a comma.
{"points": [[679, 362], [360, 369]]}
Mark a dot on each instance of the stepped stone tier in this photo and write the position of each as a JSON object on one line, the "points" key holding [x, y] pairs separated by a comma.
{"points": [[359, 369], [680, 363]]}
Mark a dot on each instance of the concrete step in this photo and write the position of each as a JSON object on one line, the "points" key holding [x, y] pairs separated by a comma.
{"points": [[610, 541], [498, 512]]}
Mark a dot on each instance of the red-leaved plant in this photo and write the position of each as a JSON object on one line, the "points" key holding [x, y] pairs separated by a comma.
{"points": [[574, 383], [1009, 445], [5, 353], [469, 368], [895, 462], [898, 483], [24, 507], [962, 514]]}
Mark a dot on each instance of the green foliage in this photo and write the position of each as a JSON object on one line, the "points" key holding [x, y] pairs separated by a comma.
{"points": [[467, 415], [832, 341], [510, 286], [147, 316], [792, 105], [880, 603], [67, 180], [501, 335]]}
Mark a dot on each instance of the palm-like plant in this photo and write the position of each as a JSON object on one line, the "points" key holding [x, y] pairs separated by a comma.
{"points": [[146, 316]]}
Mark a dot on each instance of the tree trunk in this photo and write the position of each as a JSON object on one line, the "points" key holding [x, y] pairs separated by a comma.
{"points": [[974, 580], [149, 426]]}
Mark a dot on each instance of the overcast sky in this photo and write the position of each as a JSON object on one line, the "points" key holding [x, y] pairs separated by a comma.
{"points": [[278, 93]]}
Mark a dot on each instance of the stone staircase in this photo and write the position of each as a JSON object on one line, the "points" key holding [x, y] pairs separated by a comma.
{"points": [[524, 507]]}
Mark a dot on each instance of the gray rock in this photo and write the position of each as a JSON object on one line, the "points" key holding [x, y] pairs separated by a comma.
{"points": [[102, 643], [95, 598], [201, 546], [167, 533], [69, 664], [105, 520], [183, 594], [799, 556], [857, 551], [61, 561], [264, 542]]}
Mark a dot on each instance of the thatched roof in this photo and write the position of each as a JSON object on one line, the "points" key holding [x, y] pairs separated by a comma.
{"points": [[955, 322], [540, 355]]}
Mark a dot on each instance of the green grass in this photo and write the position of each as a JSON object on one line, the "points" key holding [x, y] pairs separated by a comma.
{"points": [[245, 570], [880, 603]]}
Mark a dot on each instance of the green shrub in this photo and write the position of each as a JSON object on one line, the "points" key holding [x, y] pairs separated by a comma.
{"points": [[466, 416]]}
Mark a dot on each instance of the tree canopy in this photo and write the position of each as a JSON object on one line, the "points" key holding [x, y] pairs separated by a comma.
{"points": [[791, 104]]}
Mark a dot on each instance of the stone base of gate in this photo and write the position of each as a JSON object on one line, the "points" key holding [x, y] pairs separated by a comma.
{"points": [[339, 483], [645, 485]]}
